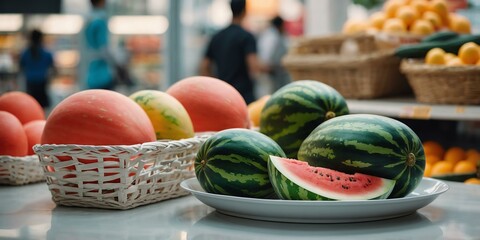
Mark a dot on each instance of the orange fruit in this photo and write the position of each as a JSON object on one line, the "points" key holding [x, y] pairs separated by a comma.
{"points": [[459, 24], [255, 109], [377, 20], [469, 53], [441, 8], [435, 56], [472, 181], [422, 27], [394, 25], [472, 151], [473, 157], [449, 56], [434, 18], [478, 62], [390, 7], [428, 170], [432, 159], [407, 14], [454, 155], [464, 166], [354, 26], [442, 168], [433, 148], [371, 29], [454, 62], [420, 5]]}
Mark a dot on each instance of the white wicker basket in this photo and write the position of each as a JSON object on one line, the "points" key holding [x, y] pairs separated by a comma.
{"points": [[20, 170], [118, 177]]}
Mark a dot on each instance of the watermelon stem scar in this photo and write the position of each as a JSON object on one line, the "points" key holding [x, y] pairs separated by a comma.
{"points": [[411, 160], [330, 115]]}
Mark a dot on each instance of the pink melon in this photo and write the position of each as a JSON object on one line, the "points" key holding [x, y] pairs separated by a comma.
{"points": [[98, 117], [213, 105], [34, 130], [21, 105], [13, 140]]}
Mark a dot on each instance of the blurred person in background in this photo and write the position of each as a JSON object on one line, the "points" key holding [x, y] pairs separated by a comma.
{"points": [[272, 46], [101, 70], [35, 63], [232, 52]]}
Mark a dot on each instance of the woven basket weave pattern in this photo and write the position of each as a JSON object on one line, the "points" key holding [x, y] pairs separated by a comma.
{"points": [[20, 170], [333, 44], [443, 84], [118, 177], [371, 73]]}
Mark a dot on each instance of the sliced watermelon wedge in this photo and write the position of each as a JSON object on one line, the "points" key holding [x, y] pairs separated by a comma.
{"points": [[296, 180]]}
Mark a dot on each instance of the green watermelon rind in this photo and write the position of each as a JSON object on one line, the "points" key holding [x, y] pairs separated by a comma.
{"points": [[290, 187], [368, 144], [235, 163], [296, 109]]}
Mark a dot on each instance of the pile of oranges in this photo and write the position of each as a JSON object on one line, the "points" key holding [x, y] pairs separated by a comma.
{"points": [[454, 160], [417, 17], [468, 54]]}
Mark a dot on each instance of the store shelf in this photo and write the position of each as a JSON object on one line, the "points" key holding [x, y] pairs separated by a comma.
{"points": [[408, 108]]}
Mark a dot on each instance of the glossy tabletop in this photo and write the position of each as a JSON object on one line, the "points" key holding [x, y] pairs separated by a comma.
{"points": [[27, 212]]}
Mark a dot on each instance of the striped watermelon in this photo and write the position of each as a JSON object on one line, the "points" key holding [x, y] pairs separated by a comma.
{"points": [[296, 180], [368, 144], [296, 109], [234, 162]]}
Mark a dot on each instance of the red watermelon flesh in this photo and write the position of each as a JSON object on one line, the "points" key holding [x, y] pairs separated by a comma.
{"points": [[296, 180]]}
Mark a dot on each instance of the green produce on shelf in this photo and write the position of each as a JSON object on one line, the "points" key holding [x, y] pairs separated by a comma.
{"points": [[440, 36], [456, 177], [420, 50]]}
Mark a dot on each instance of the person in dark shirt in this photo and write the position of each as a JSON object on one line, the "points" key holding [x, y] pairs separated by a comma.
{"points": [[35, 63], [233, 53]]}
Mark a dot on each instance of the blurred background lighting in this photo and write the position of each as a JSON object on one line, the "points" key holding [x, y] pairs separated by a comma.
{"points": [[138, 25], [10, 22], [62, 24]]}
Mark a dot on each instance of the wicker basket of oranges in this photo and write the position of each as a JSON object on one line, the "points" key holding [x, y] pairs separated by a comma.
{"points": [[446, 78], [352, 64], [402, 22]]}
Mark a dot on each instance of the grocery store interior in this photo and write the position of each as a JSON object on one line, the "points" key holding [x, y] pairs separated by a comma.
{"points": [[160, 42], [375, 53]]}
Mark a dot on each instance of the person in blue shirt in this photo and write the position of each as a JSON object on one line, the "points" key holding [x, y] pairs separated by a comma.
{"points": [[35, 63], [101, 68]]}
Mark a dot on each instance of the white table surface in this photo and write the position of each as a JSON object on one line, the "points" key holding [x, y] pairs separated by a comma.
{"points": [[27, 212]]}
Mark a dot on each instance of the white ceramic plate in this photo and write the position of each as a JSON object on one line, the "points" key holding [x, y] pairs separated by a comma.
{"points": [[319, 211]]}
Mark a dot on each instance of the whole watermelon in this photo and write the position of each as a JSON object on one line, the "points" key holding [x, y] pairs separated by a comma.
{"points": [[368, 144], [293, 111], [235, 162]]}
